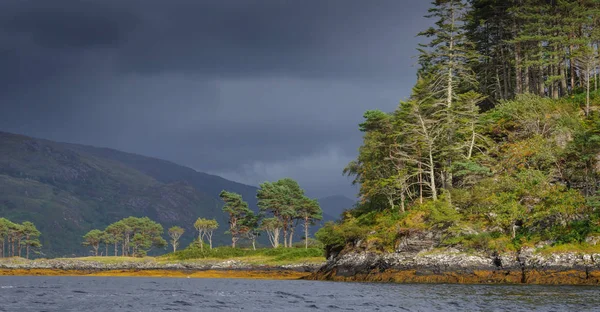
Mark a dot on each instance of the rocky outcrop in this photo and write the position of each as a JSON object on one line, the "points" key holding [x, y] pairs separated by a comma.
{"points": [[455, 266], [72, 265]]}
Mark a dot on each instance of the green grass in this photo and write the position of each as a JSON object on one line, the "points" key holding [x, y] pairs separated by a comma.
{"points": [[270, 255], [575, 247]]}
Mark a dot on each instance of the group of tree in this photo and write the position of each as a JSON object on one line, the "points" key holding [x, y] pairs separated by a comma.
{"points": [[14, 237], [528, 163], [135, 236], [283, 205], [543, 47]]}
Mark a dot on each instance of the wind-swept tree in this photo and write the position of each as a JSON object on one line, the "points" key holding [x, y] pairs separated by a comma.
{"points": [[31, 234], [237, 210], [175, 233], [93, 239], [282, 199], [205, 228], [272, 226], [136, 235], [116, 230], [251, 228], [310, 211], [4, 230]]}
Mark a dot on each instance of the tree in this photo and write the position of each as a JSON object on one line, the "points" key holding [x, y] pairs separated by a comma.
{"points": [[31, 237], [93, 239], [272, 226], [108, 239], [116, 230], [137, 236], [251, 228], [237, 210], [205, 228], [175, 233], [310, 211], [4, 233], [271, 199]]}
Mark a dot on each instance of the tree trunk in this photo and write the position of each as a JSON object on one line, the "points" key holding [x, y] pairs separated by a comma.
{"points": [[116, 246], [505, 75], [432, 176], [27, 246], [519, 69], [254, 243], [19, 244], [555, 91], [402, 199], [292, 229], [563, 78], [209, 234], [541, 88], [472, 145], [106, 250], [233, 240], [420, 184], [526, 85], [285, 235], [305, 232], [200, 241], [587, 94], [572, 68]]}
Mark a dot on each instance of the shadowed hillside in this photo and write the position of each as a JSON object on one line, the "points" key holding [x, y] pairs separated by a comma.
{"points": [[68, 189]]}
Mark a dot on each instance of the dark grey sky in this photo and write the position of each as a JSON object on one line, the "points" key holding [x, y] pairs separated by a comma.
{"points": [[251, 90]]}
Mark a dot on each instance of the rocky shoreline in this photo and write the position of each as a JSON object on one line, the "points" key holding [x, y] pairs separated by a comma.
{"points": [[426, 266], [124, 267], [455, 266]]}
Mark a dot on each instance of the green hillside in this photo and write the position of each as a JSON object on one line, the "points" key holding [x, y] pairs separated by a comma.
{"points": [[68, 189]]}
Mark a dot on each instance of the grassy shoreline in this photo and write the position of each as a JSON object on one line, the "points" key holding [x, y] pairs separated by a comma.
{"points": [[276, 274], [217, 263]]}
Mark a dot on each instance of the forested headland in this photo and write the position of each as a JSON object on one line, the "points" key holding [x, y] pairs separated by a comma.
{"points": [[498, 146]]}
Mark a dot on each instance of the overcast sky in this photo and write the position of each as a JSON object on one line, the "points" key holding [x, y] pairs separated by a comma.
{"points": [[250, 90]]}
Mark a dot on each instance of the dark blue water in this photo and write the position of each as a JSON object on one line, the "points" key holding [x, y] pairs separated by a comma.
{"points": [[91, 294]]}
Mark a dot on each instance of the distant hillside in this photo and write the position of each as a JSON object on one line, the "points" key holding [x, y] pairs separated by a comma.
{"points": [[335, 205], [68, 189]]}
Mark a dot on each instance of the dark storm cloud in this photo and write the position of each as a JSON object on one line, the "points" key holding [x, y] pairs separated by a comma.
{"points": [[251, 90], [68, 24]]}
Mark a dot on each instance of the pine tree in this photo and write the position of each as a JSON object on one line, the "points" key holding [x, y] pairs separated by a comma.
{"points": [[237, 210]]}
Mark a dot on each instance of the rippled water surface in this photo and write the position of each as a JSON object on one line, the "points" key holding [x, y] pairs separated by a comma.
{"points": [[165, 294]]}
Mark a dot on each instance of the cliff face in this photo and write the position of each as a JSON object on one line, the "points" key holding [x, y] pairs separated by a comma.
{"points": [[417, 261]]}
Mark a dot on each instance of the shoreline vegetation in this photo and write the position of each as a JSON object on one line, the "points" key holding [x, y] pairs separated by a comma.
{"points": [[489, 172], [293, 263]]}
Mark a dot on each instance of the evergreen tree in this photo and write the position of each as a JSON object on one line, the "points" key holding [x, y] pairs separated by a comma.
{"points": [[237, 210], [93, 239]]}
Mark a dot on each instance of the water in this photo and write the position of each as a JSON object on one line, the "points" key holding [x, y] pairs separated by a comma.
{"points": [[92, 294]]}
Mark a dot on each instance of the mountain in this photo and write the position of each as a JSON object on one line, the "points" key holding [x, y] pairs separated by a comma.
{"points": [[69, 189], [333, 206]]}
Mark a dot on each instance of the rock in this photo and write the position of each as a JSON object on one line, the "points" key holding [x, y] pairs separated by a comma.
{"points": [[456, 266], [592, 240]]}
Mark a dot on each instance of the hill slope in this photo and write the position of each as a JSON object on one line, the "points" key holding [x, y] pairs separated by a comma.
{"points": [[68, 189], [333, 206]]}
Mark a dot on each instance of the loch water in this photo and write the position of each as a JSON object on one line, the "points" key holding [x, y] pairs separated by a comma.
{"points": [[92, 294]]}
